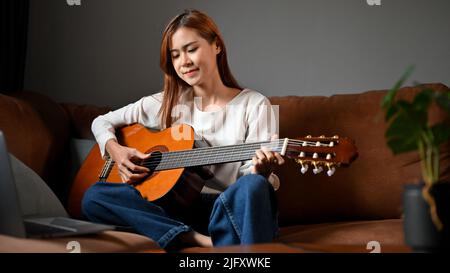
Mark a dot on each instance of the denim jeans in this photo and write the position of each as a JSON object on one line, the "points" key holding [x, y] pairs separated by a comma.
{"points": [[245, 213]]}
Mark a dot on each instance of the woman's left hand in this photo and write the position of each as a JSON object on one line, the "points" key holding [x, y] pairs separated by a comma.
{"points": [[266, 161]]}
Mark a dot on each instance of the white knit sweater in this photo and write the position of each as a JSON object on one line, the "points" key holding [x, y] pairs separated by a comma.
{"points": [[248, 117]]}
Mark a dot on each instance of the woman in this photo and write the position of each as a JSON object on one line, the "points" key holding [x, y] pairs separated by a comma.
{"points": [[238, 204]]}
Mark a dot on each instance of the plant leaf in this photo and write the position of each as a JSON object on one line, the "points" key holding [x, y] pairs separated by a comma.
{"points": [[406, 127], [403, 133], [441, 132], [423, 100], [389, 97], [402, 127], [400, 145], [443, 100], [391, 111], [412, 114]]}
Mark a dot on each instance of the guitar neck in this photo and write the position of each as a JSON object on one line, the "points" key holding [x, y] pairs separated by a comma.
{"points": [[319, 152], [214, 155]]}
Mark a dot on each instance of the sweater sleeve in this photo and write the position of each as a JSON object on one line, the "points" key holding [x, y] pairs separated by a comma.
{"points": [[262, 123], [144, 111]]}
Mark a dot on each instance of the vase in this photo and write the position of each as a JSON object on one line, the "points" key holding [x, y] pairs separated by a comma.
{"points": [[420, 232]]}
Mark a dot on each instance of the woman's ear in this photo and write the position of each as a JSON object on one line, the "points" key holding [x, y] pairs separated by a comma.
{"points": [[218, 48]]}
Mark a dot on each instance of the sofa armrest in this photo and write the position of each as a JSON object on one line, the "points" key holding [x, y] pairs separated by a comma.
{"points": [[107, 241], [81, 117]]}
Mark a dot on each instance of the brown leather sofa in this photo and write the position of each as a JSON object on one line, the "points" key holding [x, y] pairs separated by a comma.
{"points": [[359, 204]]}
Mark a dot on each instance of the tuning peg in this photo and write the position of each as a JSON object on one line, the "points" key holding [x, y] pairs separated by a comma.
{"points": [[304, 165], [317, 168], [304, 168], [331, 144], [331, 169], [322, 136]]}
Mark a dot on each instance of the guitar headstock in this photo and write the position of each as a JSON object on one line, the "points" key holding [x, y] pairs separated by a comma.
{"points": [[322, 152]]}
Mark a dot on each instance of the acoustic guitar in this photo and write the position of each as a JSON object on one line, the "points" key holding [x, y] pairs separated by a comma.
{"points": [[172, 151]]}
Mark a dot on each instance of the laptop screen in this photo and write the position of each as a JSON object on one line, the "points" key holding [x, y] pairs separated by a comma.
{"points": [[11, 222]]}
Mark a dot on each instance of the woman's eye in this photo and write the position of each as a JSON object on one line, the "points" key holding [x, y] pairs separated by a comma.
{"points": [[174, 56], [192, 50]]}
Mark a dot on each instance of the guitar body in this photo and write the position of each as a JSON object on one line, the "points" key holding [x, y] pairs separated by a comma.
{"points": [[158, 184]]}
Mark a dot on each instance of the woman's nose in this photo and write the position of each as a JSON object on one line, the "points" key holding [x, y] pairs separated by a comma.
{"points": [[185, 60]]}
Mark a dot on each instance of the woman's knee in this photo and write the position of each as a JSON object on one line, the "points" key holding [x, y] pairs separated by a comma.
{"points": [[253, 184], [98, 193]]}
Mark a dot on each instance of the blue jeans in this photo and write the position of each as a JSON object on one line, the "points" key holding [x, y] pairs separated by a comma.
{"points": [[245, 213]]}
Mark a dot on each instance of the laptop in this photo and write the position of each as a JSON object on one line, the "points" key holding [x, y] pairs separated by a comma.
{"points": [[12, 221]]}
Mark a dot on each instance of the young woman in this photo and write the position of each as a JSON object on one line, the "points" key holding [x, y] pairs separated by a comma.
{"points": [[237, 205]]}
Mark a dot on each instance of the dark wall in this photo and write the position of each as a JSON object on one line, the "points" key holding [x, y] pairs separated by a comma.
{"points": [[106, 52]]}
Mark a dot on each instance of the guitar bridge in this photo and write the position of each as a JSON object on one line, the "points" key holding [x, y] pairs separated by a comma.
{"points": [[107, 167]]}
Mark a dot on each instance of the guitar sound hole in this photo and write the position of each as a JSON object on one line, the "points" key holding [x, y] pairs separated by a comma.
{"points": [[153, 161]]}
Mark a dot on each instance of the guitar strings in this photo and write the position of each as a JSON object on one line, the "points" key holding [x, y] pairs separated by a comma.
{"points": [[224, 151], [193, 154], [246, 146], [291, 143], [153, 163]]}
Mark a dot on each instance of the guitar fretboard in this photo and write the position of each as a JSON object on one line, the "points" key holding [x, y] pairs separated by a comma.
{"points": [[211, 155]]}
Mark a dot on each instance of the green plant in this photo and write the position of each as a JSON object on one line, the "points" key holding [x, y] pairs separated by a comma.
{"points": [[409, 130]]}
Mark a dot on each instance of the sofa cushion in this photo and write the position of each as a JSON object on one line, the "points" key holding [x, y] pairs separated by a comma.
{"points": [[37, 132], [79, 149], [371, 187], [36, 198], [81, 117], [386, 232]]}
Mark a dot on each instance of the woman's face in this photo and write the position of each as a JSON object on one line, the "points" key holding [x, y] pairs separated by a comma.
{"points": [[193, 58]]}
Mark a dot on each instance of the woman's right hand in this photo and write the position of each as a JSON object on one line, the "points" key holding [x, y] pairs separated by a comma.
{"points": [[123, 156]]}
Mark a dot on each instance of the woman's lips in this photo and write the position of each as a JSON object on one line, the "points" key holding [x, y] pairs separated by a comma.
{"points": [[191, 73]]}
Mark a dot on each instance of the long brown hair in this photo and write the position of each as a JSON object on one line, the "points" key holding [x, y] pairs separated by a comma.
{"points": [[173, 85]]}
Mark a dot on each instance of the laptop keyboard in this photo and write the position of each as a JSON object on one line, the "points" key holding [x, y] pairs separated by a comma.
{"points": [[35, 229], [59, 221], [61, 226]]}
